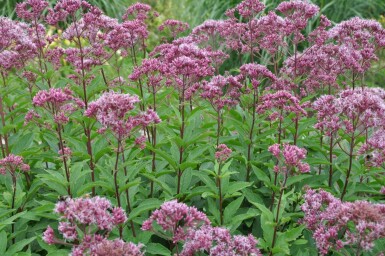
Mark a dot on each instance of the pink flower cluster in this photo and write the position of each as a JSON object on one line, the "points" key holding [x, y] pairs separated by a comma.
{"points": [[375, 148], [223, 153], [182, 223], [187, 65], [31, 9], [59, 102], [362, 222], [222, 91], [281, 103], [175, 219], [175, 26], [217, 241], [292, 157], [90, 215], [361, 108], [11, 163], [256, 73], [112, 111], [16, 46]]}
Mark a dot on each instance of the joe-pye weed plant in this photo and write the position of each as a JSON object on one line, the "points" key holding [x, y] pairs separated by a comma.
{"points": [[252, 135]]}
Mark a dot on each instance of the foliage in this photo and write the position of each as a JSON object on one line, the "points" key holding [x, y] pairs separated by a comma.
{"points": [[253, 135]]}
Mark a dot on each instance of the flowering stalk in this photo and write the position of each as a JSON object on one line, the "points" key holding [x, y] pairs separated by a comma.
{"points": [[86, 223], [222, 155], [128, 200], [281, 191], [289, 159], [63, 149], [249, 146], [181, 134], [12, 163], [112, 111], [115, 173]]}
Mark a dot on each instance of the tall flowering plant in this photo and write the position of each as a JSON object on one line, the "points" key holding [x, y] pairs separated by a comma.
{"points": [[114, 112]]}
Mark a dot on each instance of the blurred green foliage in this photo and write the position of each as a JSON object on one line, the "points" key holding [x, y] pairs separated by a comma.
{"points": [[336, 10], [196, 11]]}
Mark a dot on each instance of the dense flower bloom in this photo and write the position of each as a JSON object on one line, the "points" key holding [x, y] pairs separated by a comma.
{"points": [[292, 157], [249, 8], [59, 102], [375, 148], [49, 236], [297, 14], [223, 153], [361, 108], [138, 11], [117, 247], [176, 219], [325, 215], [218, 241], [91, 215], [153, 70], [187, 65], [256, 73], [358, 40], [175, 26], [16, 46], [280, 103], [319, 66], [112, 111], [91, 211], [11, 163], [222, 91], [31, 9]]}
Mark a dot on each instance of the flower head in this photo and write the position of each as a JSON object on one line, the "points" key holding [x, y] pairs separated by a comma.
{"points": [[176, 219]]}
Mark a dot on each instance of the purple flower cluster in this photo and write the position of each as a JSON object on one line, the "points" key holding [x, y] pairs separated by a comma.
{"points": [[181, 223], [336, 224], [223, 153], [292, 157], [281, 103], [175, 26], [375, 147], [175, 220], [94, 216], [222, 91], [31, 9], [11, 163], [16, 46], [59, 102], [217, 241], [112, 110], [361, 108]]}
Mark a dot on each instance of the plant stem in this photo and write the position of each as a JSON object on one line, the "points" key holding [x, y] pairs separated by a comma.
{"points": [[331, 161], [278, 211], [219, 184], [249, 146], [182, 127], [13, 203], [116, 183], [128, 199], [67, 172], [153, 163], [349, 168]]}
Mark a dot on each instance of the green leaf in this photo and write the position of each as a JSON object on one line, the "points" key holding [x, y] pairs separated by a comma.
{"points": [[237, 186], [157, 249], [3, 242], [144, 206], [86, 188], [231, 209], [17, 247], [293, 234]]}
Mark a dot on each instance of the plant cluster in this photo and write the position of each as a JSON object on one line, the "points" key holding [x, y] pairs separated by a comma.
{"points": [[276, 153]]}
